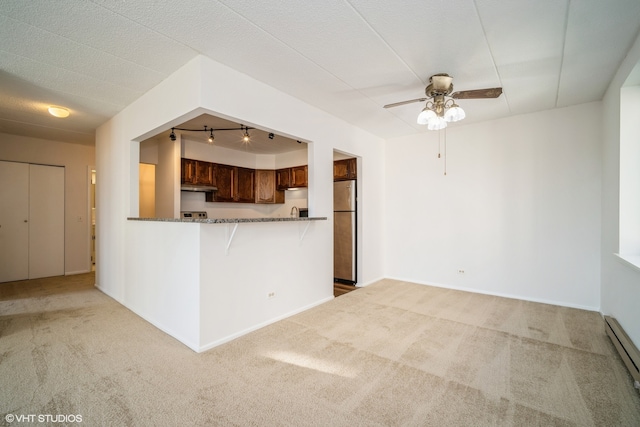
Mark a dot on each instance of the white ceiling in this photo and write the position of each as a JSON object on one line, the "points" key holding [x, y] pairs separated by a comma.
{"points": [[347, 57]]}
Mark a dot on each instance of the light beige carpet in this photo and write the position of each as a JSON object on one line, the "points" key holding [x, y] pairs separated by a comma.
{"points": [[390, 354]]}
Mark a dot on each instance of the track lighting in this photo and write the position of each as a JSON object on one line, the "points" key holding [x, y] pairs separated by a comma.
{"points": [[211, 138], [271, 136]]}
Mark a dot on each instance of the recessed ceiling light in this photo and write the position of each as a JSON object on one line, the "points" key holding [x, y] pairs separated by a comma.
{"points": [[58, 112]]}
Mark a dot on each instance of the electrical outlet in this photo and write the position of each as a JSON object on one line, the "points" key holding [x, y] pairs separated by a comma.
{"points": [[460, 271], [271, 295]]}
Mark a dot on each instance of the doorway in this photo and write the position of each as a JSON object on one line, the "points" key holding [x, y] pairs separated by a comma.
{"points": [[345, 222]]}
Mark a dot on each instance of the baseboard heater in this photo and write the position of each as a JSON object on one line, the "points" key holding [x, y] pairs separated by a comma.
{"points": [[628, 351]]}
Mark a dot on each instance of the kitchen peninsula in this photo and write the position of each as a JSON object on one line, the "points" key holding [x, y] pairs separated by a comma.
{"points": [[208, 281]]}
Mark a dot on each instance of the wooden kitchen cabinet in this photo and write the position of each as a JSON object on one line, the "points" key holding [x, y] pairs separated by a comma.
{"points": [[204, 174], [197, 172], [235, 184], [245, 185], [225, 176], [266, 191], [187, 171], [294, 177], [283, 178], [344, 169], [299, 176]]}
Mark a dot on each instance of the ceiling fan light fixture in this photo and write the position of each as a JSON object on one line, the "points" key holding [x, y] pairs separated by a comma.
{"points": [[436, 123], [454, 113], [425, 115]]}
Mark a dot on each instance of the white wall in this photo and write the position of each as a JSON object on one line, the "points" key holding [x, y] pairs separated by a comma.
{"points": [[76, 159], [620, 286], [518, 211], [204, 86]]}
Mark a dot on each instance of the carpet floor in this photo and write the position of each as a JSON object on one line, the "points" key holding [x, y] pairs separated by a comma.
{"points": [[391, 354]]}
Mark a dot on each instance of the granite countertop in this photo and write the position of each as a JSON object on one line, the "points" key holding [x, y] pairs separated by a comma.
{"points": [[229, 220]]}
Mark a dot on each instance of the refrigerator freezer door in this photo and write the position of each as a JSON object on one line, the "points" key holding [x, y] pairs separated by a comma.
{"points": [[344, 256]]}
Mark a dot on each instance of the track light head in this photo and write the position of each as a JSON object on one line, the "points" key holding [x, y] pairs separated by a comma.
{"points": [[172, 136], [211, 138], [271, 136], [246, 137]]}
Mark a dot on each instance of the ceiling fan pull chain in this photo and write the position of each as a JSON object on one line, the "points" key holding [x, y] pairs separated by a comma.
{"points": [[445, 151]]}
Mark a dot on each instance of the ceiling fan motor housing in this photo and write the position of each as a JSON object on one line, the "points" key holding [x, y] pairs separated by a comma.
{"points": [[440, 84]]}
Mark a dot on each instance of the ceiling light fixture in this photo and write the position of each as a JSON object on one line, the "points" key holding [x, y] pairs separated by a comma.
{"points": [[59, 112], [211, 138], [440, 109]]}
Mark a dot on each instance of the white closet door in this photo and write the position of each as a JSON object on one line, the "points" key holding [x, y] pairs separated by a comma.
{"points": [[14, 228], [46, 221]]}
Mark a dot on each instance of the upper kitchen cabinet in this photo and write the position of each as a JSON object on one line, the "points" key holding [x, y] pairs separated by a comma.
{"points": [[197, 172], [293, 177], [235, 184], [266, 191], [299, 176], [283, 178], [245, 185], [344, 169], [225, 176]]}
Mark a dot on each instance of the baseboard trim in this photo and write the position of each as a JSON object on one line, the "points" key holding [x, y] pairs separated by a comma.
{"points": [[261, 325], [497, 294], [73, 273]]}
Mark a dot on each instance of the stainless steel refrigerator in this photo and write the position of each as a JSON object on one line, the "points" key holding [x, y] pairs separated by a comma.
{"points": [[344, 232]]}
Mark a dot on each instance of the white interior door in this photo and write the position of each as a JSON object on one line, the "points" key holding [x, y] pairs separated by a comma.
{"points": [[14, 217], [46, 221]]}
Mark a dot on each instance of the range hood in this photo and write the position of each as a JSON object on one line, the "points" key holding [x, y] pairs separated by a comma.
{"points": [[201, 188]]}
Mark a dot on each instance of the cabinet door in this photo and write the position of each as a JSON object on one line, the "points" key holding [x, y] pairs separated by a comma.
{"points": [[225, 177], [283, 179], [188, 171], [245, 188], [353, 169], [299, 176], [340, 170], [204, 173], [266, 187], [344, 169]]}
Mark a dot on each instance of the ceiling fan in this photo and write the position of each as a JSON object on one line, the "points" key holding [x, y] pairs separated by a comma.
{"points": [[441, 107]]}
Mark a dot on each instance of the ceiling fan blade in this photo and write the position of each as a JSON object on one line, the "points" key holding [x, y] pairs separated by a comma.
{"points": [[395, 104], [493, 92]]}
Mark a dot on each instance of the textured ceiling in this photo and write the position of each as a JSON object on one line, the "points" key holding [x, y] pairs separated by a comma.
{"points": [[347, 57]]}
